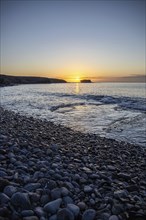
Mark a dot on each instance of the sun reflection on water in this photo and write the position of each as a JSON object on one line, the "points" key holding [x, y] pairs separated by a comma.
{"points": [[77, 88]]}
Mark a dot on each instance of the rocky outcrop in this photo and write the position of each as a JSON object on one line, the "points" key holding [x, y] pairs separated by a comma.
{"points": [[86, 81]]}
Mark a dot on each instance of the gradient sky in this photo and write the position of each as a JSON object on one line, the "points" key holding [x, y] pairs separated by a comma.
{"points": [[73, 39]]}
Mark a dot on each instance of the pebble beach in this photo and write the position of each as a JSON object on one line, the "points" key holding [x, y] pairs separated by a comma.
{"points": [[50, 172]]}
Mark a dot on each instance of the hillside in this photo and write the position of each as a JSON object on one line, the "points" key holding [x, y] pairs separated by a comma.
{"points": [[6, 80]]}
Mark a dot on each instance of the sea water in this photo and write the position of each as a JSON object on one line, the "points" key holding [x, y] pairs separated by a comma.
{"points": [[112, 110]]}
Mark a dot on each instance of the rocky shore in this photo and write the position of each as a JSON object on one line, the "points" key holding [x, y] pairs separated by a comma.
{"points": [[50, 172]]}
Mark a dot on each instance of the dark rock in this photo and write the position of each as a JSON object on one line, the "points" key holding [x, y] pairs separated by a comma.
{"points": [[113, 217], [55, 193], [4, 211], [53, 206], [65, 214], [10, 190], [89, 214], [21, 200], [104, 216], [3, 183], [67, 200], [87, 189], [44, 199], [26, 213], [34, 197], [52, 184], [32, 186], [64, 191], [74, 209], [31, 218], [4, 199], [117, 209], [3, 174], [53, 217], [39, 211], [82, 205], [124, 176], [120, 194], [54, 147]]}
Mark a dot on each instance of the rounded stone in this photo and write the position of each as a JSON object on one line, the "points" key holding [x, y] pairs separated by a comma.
{"points": [[53, 217], [89, 214], [10, 190], [26, 213], [67, 200], [31, 218], [32, 186], [65, 214], [82, 205], [120, 194], [53, 206], [3, 183], [87, 189], [74, 209], [39, 211], [64, 191], [55, 193], [21, 200], [4, 198], [2, 174], [113, 217]]}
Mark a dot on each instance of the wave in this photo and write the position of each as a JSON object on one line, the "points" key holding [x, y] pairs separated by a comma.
{"points": [[123, 102]]}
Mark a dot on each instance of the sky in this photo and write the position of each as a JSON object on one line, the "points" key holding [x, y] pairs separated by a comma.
{"points": [[73, 40]]}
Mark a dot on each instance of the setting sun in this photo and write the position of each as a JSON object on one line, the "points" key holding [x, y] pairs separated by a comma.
{"points": [[77, 79]]}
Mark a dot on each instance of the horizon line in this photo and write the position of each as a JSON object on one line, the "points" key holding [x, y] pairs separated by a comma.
{"points": [[131, 78]]}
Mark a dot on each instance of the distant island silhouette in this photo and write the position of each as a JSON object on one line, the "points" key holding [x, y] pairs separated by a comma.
{"points": [[85, 81], [6, 80]]}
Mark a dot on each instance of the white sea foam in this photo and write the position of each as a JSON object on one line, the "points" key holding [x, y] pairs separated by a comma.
{"points": [[112, 110]]}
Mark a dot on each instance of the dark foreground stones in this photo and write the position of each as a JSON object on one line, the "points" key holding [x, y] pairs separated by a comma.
{"points": [[49, 172]]}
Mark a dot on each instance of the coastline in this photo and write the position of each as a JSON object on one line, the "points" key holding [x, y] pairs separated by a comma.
{"points": [[52, 171], [8, 80]]}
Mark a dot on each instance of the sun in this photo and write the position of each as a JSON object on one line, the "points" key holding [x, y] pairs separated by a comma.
{"points": [[77, 79]]}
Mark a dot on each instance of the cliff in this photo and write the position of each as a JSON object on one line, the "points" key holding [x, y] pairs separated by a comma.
{"points": [[6, 80]]}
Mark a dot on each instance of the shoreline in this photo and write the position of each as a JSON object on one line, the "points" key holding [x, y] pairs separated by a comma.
{"points": [[52, 171]]}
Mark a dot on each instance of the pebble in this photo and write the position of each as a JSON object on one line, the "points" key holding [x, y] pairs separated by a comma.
{"points": [[89, 214], [2, 173], [74, 209], [31, 218], [53, 217], [87, 189], [67, 200], [21, 200], [10, 190], [26, 213], [3, 184], [55, 193], [113, 217], [4, 198], [39, 211], [82, 205], [65, 214], [64, 191], [53, 206], [32, 186], [120, 194]]}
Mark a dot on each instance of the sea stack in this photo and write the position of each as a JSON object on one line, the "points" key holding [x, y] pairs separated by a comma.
{"points": [[86, 81]]}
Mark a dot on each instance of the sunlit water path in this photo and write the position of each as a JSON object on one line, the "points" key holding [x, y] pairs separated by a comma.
{"points": [[113, 110]]}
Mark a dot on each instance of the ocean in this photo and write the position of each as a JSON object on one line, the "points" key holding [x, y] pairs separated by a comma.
{"points": [[111, 110]]}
